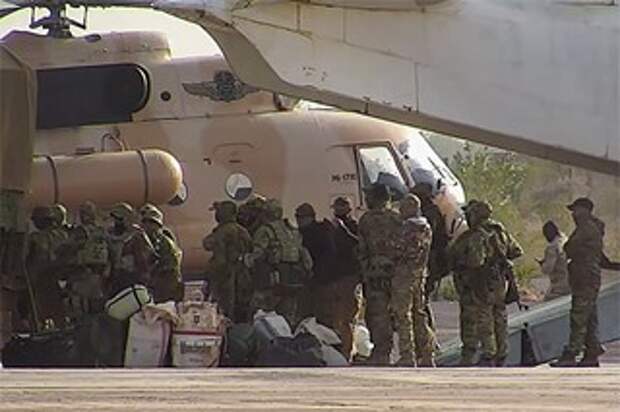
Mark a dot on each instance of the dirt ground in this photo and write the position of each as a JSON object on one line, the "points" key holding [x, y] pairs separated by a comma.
{"points": [[345, 389]]}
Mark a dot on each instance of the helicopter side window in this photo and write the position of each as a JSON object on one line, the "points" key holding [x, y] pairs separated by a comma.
{"points": [[379, 166], [78, 96]]}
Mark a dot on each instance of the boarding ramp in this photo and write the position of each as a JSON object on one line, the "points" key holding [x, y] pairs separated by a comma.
{"points": [[539, 334]]}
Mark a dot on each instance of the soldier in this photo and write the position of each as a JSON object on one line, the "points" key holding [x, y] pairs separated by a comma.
{"points": [[86, 262], [584, 249], [165, 279], [131, 252], [468, 255], [407, 296], [493, 322], [251, 213], [342, 215], [379, 230], [42, 264], [229, 279], [150, 209], [554, 264], [280, 263], [318, 239]]}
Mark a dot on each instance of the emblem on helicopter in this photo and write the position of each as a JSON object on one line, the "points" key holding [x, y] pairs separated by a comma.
{"points": [[225, 87]]}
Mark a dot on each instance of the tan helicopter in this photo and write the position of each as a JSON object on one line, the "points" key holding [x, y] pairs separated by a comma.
{"points": [[119, 120]]}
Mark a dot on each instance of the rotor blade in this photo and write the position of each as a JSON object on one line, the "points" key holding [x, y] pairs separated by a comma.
{"points": [[7, 8]]}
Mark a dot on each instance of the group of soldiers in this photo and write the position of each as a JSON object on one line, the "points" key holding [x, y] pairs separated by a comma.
{"points": [[261, 261], [71, 270]]}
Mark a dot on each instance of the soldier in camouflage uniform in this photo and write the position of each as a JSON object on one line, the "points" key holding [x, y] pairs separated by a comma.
{"points": [[379, 231], [165, 280], [493, 319], [407, 298], [584, 248], [280, 264], [468, 256], [85, 261], [42, 264], [131, 252], [251, 213], [150, 209], [229, 279]]}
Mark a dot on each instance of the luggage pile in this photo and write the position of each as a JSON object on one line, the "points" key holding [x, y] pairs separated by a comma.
{"points": [[135, 333]]}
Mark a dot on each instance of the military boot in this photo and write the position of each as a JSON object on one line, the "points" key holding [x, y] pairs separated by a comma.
{"points": [[590, 357], [426, 362], [500, 361], [486, 362], [567, 360], [467, 359]]}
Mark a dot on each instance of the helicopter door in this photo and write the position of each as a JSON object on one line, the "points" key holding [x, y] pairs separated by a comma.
{"points": [[343, 177], [379, 164]]}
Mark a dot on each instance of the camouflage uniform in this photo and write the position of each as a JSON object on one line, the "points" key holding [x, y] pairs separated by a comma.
{"points": [[165, 279], [251, 214], [584, 248], [407, 296], [43, 264], [149, 209], [131, 252], [468, 256], [379, 231], [280, 263], [228, 277], [493, 320]]}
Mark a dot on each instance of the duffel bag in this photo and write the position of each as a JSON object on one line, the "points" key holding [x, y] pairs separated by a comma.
{"points": [[127, 302]]}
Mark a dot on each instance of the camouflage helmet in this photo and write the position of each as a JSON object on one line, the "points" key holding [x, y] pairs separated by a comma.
{"points": [[147, 208], [153, 215], [122, 211], [58, 214], [273, 209], [478, 209], [410, 206], [256, 201], [225, 211]]}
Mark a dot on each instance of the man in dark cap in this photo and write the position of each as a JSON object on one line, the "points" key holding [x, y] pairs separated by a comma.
{"points": [[584, 250]]}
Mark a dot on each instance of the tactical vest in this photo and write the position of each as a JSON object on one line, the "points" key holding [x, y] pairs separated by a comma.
{"points": [[95, 249], [120, 260], [284, 246]]}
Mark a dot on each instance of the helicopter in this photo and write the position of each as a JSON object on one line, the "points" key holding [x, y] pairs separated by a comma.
{"points": [[118, 119]]}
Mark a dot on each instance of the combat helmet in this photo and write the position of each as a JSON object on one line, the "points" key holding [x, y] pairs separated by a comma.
{"points": [[87, 212], [273, 209], [225, 211], [58, 214], [410, 206], [153, 214], [122, 211], [377, 194]]}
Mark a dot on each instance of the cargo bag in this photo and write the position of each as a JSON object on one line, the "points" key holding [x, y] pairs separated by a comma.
{"points": [[147, 341], [128, 302], [240, 345], [303, 350], [108, 336], [68, 348], [269, 326], [197, 339]]}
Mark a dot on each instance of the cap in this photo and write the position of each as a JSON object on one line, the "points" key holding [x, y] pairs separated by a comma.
{"points": [[305, 210], [583, 202]]}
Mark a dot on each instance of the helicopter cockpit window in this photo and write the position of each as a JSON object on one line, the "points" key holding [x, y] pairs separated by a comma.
{"points": [[78, 96], [239, 187], [378, 165]]}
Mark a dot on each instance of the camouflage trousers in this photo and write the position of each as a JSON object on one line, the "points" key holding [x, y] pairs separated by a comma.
{"points": [[407, 302], [584, 322], [468, 319], [492, 325], [377, 290], [234, 296]]}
